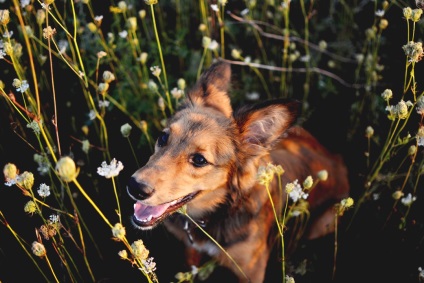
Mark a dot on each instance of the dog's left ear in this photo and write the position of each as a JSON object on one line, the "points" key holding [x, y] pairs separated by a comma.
{"points": [[211, 90], [263, 124]]}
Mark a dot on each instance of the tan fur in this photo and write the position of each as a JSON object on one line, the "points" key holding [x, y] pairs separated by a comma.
{"points": [[223, 194]]}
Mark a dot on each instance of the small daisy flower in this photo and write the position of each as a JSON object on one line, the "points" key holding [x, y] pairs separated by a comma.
{"points": [[48, 32], [176, 93], [123, 254], [38, 249], [98, 19], [379, 13], [21, 86], [416, 15], [420, 136], [35, 127], [295, 191], [92, 115], [214, 7], [149, 265], [30, 207], [407, 13], [413, 51], [108, 76], [408, 200], [101, 54], [123, 34], [111, 170], [289, 279], [102, 88], [264, 175], [387, 94], [139, 250], [43, 191], [104, 103], [344, 205], [26, 180], [4, 17], [156, 70], [118, 231]]}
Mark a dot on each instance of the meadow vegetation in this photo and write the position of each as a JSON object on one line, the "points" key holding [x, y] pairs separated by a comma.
{"points": [[86, 86]]}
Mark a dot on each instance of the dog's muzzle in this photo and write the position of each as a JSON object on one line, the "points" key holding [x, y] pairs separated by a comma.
{"points": [[139, 190]]}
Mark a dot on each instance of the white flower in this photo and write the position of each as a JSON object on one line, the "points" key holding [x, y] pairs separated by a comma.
{"points": [[111, 170], [156, 70], [23, 87], [296, 192], [213, 45], [123, 34], [215, 7], [176, 93], [35, 127], [104, 103], [379, 13], [408, 200], [43, 190], [149, 265], [92, 115], [54, 218]]}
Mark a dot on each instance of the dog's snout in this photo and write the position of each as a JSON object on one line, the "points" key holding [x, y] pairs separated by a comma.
{"points": [[139, 190]]}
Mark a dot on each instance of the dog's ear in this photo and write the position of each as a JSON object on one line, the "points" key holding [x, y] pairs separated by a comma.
{"points": [[211, 90], [263, 124]]}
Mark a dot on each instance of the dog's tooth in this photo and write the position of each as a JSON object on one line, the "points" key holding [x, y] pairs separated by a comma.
{"points": [[149, 218]]}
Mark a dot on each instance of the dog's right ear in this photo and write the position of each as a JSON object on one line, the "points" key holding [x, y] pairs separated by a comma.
{"points": [[211, 90]]}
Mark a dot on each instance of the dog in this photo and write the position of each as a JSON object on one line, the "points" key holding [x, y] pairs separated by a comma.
{"points": [[206, 161]]}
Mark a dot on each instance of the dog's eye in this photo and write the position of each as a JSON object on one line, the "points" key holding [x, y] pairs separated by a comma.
{"points": [[198, 160], [163, 139]]}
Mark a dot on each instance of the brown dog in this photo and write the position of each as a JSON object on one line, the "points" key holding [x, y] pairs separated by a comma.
{"points": [[207, 158]]}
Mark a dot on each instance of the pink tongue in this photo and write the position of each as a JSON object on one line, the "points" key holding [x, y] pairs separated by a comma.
{"points": [[142, 211]]}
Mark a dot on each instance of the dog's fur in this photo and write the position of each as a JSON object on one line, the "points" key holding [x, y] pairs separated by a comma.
{"points": [[207, 158]]}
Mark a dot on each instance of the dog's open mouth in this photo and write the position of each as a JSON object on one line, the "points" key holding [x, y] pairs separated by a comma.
{"points": [[145, 216]]}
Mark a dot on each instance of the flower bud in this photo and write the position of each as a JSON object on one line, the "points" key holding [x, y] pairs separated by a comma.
{"points": [[38, 249], [66, 169], [126, 130]]}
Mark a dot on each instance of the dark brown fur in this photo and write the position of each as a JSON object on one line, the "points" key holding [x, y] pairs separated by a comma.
{"points": [[224, 196]]}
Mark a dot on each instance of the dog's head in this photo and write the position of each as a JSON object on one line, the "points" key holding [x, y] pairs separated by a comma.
{"points": [[205, 150]]}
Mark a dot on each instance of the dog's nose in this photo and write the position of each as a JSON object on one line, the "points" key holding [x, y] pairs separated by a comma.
{"points": [[139, 190]]}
